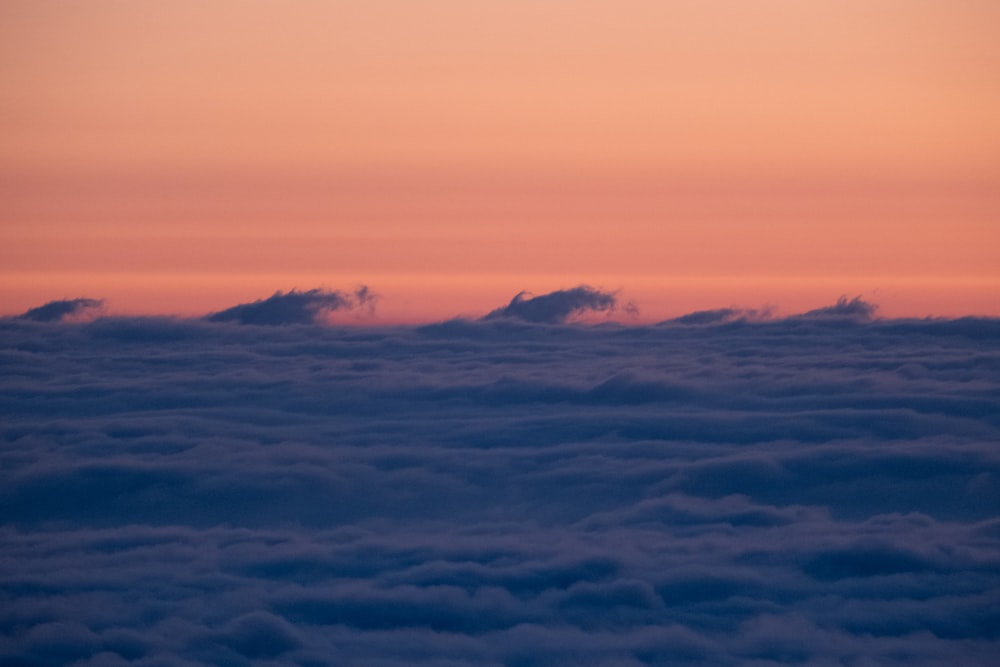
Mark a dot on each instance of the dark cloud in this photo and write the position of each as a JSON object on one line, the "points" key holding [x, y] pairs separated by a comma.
{"points": [[259, 634], [744, 491], [309, 307], [66, 309], [845, 309], [557, 307], [723, 315]]}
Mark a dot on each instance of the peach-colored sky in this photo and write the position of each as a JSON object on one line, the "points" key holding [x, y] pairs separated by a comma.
{"points": [[181, 155]]}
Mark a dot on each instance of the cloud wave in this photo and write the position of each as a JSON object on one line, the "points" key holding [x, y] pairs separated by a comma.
{"points": [[845, 309], [557, 307], [64, 309], [294, 307]]}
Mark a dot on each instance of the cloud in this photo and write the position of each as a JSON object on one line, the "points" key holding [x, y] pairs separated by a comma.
{"points": [[843, 311], [723, 315], [855, 309], [64, 310], [177, 492], [309, 307], [259, 634], [557, 307]]}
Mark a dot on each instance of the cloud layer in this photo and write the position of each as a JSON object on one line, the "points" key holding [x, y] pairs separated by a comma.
{"points": [[818, 490]]}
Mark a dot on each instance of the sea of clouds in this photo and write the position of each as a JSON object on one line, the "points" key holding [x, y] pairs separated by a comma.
{"points": [[257, 487]]}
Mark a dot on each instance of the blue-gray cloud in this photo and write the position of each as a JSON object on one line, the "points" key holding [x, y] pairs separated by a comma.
{"points": [[56, 311], [845, 309], [294, 307], [723, 315], [557, 307], [744, 491]]}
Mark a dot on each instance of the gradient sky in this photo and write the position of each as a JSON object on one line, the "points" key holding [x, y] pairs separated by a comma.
{"points": [[181, 156]]}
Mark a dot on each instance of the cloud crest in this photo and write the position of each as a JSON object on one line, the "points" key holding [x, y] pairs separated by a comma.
{"points": [[294, 307], [856, 309], [557, 307], [64, 310], [723, 316], [315, 306]]}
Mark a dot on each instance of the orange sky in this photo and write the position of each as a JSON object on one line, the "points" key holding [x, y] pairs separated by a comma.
{"points": [[182, 156]]}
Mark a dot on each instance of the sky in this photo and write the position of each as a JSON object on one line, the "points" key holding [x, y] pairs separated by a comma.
{"points": [[182, 156], [725, 489]]}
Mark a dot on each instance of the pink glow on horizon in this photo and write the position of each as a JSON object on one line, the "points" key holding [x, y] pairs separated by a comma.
{"points": [[184, 156]]}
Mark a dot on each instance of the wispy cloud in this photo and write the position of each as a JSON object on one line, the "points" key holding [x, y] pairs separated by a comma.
{"points": [[309, 307], [557, 307], [724, 315], [317, 305], [845, 309], [65, 309]]}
